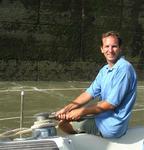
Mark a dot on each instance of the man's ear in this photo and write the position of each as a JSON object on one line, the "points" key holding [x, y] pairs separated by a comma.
{"points": [[101, 49]]}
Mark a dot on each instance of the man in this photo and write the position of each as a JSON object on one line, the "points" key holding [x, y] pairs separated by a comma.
{"points": [[115, 86]]}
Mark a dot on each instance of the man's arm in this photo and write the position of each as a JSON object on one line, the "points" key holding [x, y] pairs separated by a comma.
{"points": [[98, 108], [92, 109], [78, 102]]}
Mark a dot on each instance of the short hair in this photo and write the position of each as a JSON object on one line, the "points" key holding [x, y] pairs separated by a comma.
{"points": [[112, 33]]}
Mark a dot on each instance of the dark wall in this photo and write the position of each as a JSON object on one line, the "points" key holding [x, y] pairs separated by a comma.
{"points": [[66, 31]]}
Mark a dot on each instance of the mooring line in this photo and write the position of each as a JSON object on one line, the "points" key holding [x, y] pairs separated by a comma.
{"points": [[50, 89], [13, 118], [10, 118], [138, 109], [40, 90]]}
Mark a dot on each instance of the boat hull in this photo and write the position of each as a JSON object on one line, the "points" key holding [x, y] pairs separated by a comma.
{"points": [[132, 140]]}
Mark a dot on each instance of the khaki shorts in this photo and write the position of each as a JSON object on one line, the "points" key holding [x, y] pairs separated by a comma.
{"points": [[86, 126]]}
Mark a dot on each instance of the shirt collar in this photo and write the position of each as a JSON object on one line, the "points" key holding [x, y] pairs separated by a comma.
{"points": [[116, 65]]}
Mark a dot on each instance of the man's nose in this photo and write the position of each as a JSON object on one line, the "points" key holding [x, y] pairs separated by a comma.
{"points": [[110, 49]]}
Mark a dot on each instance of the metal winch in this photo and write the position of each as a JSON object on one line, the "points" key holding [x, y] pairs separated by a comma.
{"points": [[44, 127]]}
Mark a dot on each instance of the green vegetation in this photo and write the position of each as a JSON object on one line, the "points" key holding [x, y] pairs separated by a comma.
{"points": [[58, 40]]}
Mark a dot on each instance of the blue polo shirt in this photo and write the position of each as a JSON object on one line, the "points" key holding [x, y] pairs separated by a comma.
{"points": [[117, 86]]}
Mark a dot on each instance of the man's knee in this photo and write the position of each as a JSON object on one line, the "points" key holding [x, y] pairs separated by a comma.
{"points": [[66, 127]]}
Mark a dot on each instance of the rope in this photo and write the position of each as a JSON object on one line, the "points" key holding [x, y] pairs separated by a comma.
{"points": [[19, 131], [12, 133]]}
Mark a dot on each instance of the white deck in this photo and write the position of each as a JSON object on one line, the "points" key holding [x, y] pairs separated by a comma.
{"points": [[133, 140]]}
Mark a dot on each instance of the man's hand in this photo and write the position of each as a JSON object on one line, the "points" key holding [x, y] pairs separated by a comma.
{"points": [[75, 114], [61, 114]]}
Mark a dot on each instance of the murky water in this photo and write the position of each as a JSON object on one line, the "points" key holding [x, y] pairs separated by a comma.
{"points": [[47, 97]]}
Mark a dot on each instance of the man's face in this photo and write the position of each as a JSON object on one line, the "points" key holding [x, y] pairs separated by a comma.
{"points": [[111, 49]]}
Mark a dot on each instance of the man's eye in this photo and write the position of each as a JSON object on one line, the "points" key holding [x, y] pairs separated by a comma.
{"points": [[115, 46]]}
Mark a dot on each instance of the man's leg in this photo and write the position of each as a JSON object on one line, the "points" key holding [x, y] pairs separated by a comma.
{"points": [[87, 126], [66, 127]]}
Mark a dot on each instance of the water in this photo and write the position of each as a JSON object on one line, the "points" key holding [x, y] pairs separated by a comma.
{"points": [[47, 97]]}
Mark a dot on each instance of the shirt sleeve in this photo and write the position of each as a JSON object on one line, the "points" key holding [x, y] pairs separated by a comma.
{"points": [[95, 88]]}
